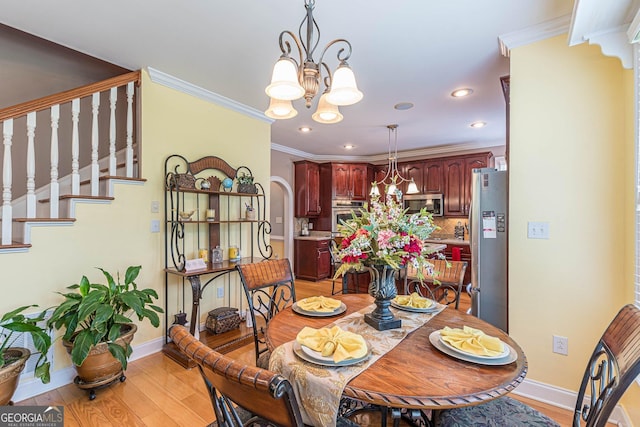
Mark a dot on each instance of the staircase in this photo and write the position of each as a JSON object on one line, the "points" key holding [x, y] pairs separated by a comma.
{"points": [[86, 146]]}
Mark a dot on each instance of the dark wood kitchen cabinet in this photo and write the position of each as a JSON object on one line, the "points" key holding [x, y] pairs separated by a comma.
{"points": [[457, 181], [350, 180], [312, 259], [433, 178], [415, 171], [307, 189]]}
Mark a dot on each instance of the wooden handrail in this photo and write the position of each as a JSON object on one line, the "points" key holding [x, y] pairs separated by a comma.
{"points": [[68, 95]]}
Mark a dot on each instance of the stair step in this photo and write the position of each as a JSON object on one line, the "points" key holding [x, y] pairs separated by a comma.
{"points": [[120, 165], [15, 245], [44, 219], [121, 178], [77, 196]]}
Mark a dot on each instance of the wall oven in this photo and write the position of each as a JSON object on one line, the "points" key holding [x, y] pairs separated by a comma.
{"points": [[415, 202], [341, 210]]}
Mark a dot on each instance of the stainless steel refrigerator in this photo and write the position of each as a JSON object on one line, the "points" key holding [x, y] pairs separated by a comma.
{"points": [[488, 235]]}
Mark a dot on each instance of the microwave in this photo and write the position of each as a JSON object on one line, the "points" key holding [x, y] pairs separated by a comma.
{"points": [[433, 202]]}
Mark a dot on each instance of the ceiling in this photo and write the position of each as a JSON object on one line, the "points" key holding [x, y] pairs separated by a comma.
{"points": [[403, 51]]}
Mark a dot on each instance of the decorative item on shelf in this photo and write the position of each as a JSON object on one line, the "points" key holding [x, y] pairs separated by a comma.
{"points": [[210, 214], [214, 183], [250, 213], [458, 231], [234, 253], [246, 185], [227, 183], [222, 319], [383, 240], [204, 254], [185, 216], [216, 255], [185, 181], [203, 184]]}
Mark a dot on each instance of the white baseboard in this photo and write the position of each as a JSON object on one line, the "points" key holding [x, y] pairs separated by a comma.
{"points": [[564, 399], [30, 387]]}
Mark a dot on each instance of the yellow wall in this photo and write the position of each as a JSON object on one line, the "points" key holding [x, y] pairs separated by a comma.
{"points": [[571, 164], [118, 235]]}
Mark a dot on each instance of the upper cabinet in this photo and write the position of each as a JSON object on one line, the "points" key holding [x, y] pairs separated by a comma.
{"points": [[457, 181], [307, 188], [350, 180], [427, 174]]}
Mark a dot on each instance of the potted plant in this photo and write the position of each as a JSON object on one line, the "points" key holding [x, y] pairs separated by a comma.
{"points": [[97, 325], [245, 184], [13, 359]]}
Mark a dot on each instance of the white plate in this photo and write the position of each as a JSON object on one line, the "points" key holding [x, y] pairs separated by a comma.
{"points": [[309, 355], [504, 353], [335, 312], [433, 307], [437, 342]]}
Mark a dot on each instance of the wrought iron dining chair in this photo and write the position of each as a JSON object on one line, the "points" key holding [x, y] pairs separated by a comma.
{"points": [[269, 288], [450, 274], [349, 281], [613, 366], [242, 395]]}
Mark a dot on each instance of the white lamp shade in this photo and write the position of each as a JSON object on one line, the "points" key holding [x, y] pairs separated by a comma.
{"points": [[326, 112], [344, 90], [413, 188], [279, 109], [374, 190], [391, 189], [284, 81]]}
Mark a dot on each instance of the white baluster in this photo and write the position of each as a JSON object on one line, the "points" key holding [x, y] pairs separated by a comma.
{"points": [[31, 165], [129, 160], [7, 214], [75, 147], [55, 186], [113, 97], [95, 168]]}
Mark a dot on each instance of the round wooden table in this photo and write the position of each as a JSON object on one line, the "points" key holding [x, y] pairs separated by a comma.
{"points": [[414, 374]]}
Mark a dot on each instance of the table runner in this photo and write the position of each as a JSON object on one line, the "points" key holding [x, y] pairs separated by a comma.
{"points": [[318, 389]]}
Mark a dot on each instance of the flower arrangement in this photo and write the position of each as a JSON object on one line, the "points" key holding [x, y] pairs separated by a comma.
{"points": [[384, 234]]}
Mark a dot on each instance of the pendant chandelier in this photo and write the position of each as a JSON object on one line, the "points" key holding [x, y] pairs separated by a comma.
{"points": [[393, 178], [293, 79]]}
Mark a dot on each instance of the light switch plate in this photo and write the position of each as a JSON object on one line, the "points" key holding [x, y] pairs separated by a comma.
{"points": [[155, 225], [537, 230], [155, 206]]}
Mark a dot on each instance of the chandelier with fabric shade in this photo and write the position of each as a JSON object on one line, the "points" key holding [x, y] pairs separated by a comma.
{"points": [[393, 178], [293, 79]]}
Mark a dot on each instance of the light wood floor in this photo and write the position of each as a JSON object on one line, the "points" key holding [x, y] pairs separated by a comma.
{"points": [[159, 392]]}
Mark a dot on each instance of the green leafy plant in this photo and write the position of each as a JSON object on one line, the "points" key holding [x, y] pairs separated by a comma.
{"points": [[96, 313], [12, 325], [245, 179]]}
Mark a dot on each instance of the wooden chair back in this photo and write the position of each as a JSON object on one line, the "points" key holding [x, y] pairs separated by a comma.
{"points": [[450, 277], [269, 288], [613, 366], [265, 395]]}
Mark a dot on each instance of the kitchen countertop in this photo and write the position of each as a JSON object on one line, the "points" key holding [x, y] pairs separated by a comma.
{"points": [[315, 235], [446, 239]]}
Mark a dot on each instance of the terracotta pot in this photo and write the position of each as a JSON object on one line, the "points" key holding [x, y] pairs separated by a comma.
{"points": [[10, 374], [100, 367]]}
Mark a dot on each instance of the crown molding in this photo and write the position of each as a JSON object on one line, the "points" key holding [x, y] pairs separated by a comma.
{"points": [[542, 31], [422, 152], [191, 89]]}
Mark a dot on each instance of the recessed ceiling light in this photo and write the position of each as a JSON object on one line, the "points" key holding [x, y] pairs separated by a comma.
{"points": [[403, 106], [459, 93], [349, 147], [304, 129], [478, 125]]}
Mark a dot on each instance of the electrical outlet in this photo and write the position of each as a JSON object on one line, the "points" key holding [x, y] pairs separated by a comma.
{"points": [[155, 225], [537, 230], [220, 292], [561, 345]]}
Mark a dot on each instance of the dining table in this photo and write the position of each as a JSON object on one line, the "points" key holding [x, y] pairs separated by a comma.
{"points": [[416, 374]]}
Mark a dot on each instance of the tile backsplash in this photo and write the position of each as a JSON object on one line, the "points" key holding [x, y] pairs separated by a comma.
{"points": [[447, 225]]}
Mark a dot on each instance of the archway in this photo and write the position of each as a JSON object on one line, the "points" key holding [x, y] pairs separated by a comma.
{"points": [[288, 215]]}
